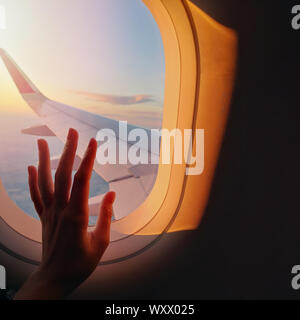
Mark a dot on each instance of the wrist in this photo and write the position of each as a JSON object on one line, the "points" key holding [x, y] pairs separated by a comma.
{"points": [[41, 286]]}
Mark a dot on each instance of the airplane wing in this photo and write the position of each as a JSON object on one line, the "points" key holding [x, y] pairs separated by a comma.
{"points": [[132, 183]]}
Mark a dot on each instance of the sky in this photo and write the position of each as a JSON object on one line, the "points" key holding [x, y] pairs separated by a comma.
{"points": [[104, 56]]}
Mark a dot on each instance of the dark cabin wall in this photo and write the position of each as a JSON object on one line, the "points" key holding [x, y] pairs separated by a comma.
{"points": [[249, 238]]}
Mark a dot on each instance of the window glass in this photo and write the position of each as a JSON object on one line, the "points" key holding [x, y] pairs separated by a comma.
{"points": [[102, 56]]}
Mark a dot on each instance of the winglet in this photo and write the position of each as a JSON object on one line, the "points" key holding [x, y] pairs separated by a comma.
{"points": [[24, 85]]}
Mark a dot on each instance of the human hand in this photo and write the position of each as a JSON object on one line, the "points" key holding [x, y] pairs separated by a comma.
{"points": [[70, 252]]}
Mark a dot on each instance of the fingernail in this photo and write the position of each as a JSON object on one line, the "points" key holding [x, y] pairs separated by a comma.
{"points": [[92, 141], [70, 133], [112, 197], [30, 169], [39, 143]]}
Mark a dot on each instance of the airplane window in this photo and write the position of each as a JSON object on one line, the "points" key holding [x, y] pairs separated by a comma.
{"points": [[101, 56]]}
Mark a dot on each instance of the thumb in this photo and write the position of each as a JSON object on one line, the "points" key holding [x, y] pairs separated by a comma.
{"points": [[102, 231]]}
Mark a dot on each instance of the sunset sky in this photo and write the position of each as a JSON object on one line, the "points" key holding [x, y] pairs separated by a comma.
{"points": [[105, 56]]}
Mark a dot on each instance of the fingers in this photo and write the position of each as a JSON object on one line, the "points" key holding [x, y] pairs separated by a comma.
{"points": [[81, 185], [34, 190], [63, 176], [45, 181], [102, 231]]}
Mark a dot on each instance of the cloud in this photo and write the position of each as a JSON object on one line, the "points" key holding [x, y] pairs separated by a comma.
{"points": [[114, 99], [139, 118]]}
